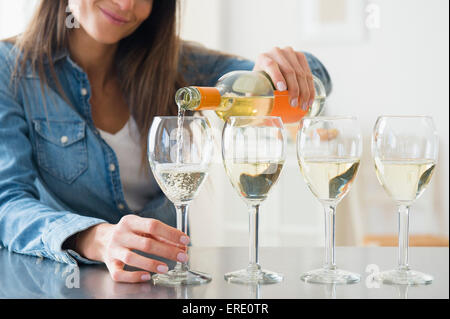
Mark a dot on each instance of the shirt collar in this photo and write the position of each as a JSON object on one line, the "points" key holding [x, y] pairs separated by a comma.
{"points": [[57, 56], [60, 54], [65, 54]]}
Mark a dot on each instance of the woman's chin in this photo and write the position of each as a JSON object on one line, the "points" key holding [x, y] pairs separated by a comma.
{"points": [[107, 38]]}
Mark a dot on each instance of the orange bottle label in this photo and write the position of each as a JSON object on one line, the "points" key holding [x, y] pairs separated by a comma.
{"points": [[283, 108], [210, 98]]}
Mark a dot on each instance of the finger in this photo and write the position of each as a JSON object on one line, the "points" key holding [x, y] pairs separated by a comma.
{"points": [[119, 275], [163, 240], [304, 63], [131, 258], [289, 74], [151, 246], [155, 227], [301, 77], [168, 242], [267, 64]]}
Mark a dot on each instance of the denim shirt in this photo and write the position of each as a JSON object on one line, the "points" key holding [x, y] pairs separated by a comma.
{"points": [[58, 180]]}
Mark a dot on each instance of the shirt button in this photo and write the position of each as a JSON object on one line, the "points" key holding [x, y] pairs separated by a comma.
{"points": [[84, 92], [64, 139], [121, 206], [112, 167]]}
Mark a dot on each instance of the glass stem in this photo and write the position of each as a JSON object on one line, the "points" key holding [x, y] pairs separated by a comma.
{"points": [[182, 220], [253, 265], [330, 212], [403, 233]]}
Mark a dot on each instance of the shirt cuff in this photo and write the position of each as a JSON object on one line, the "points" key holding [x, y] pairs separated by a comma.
{"points": [[60, 230], [81, 259]]}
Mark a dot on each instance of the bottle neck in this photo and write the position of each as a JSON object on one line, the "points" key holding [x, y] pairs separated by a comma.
{"points": [[198, 98]]}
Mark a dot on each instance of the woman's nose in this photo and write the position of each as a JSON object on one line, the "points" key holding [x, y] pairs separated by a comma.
{"points": [[125, 5]]}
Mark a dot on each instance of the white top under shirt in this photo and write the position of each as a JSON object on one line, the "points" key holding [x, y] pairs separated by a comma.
{"points": [[138, 187]]}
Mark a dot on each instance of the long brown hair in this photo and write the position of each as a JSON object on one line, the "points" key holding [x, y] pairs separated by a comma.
{"points": [[147, 60]]}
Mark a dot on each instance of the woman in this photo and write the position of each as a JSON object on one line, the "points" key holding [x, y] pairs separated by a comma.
{"points": [[76, 104]]}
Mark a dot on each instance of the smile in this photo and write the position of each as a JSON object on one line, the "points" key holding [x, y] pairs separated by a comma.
{"points": [[114, 18]]}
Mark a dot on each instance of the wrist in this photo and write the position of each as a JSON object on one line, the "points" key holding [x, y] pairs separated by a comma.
{"points": [[91, 243]]}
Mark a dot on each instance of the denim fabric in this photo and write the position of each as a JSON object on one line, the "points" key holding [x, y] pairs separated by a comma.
{"points": [[59, 179]]}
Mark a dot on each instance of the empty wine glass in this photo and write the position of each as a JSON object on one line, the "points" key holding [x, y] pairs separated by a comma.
{"points": [[253, 151], [405, 151], [180, 172], [329, 151]]}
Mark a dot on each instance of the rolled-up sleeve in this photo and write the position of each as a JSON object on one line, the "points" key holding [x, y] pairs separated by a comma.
{"points": [[319, 70], [202, 66], [26, 225]]}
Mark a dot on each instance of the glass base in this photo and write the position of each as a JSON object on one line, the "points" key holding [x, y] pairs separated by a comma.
{"points": [[330, 276], [247, 277], [403, 277], [180, 278]]}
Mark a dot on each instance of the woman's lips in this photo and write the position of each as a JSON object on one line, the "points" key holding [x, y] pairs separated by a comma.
{"points": [[114, 18]]}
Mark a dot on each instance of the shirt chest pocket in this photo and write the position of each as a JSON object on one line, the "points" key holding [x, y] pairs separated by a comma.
{"points": [[61, 148]]}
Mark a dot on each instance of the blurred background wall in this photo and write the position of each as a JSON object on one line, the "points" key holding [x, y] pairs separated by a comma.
{"points": [[384, 57]]}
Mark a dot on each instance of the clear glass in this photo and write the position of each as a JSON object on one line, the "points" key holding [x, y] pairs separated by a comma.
{"points": [[180, 172], [405, 152], [329, 151], [253, 152]]}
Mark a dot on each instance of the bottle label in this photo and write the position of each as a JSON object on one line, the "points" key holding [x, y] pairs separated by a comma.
{"points": [[283, 108], [210, 98]]}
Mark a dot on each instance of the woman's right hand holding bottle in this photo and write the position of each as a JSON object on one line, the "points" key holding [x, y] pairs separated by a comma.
{"points": [[115, 244]]}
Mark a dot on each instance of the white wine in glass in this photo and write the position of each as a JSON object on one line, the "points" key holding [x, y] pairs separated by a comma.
{"points": [[253, 151], [329, 151], [406, 179], [180, 183], [329, 179], [253, 180], [405, 150], [180, 172]]}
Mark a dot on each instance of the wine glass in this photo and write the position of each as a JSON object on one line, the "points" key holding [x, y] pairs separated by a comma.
{"points": [[253, 152], [180, 172], [405, 151], [329, 151]]}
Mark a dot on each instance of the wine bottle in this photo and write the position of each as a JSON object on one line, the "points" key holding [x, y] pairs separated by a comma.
{"points": [[248, 93]]}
